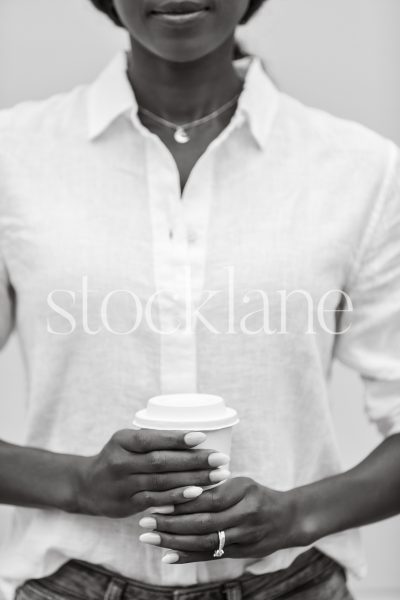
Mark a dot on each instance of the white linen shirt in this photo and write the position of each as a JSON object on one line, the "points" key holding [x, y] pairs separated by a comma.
{"points": [[92, 224]]}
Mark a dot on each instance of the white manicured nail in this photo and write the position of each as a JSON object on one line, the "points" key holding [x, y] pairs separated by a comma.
{"points": [[219, 475], [195, 438], [150, 538], [218, 459], [170, 558], [192, 492], [161, 510], [148, 523]]}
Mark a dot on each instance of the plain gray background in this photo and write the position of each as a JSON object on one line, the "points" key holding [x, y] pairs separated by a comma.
{"points": [[339, 55]]}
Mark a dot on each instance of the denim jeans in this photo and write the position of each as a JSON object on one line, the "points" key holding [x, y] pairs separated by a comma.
{"points": [[312, 576]]}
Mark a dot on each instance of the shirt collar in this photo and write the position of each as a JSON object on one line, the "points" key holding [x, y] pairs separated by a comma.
{"points": [[259, 100], [111, 95]]}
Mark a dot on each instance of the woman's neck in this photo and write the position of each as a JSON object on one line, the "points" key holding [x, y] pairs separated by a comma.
{"points": [[183, 92]]}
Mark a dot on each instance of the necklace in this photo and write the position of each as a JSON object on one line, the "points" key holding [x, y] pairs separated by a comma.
{"points": [[181, 135]]}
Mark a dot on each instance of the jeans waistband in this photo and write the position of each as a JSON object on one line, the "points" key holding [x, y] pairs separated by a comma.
{"points": [[85, 581]]}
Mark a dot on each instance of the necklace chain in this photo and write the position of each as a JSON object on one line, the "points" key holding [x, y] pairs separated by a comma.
{"points": [[191, 124], [181, 134]]}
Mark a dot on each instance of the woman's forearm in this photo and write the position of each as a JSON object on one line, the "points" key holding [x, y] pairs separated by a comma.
{"points": [[37, 478], [365, 494]]}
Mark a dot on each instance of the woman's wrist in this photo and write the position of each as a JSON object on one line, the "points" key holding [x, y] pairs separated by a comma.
{"points": [[365, 494], [297, 524], [76, 497], [66, 480], [322, 508], [37, 478], [304, 525]]}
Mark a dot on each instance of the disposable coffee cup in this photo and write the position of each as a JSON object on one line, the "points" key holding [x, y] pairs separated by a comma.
{"points": [[191, 412]]}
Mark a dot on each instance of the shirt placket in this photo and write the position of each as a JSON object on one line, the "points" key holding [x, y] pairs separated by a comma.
{"points": [[177, 359], [179, 234], [180, 241]]}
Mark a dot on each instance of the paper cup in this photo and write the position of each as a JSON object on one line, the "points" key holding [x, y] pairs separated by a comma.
{"points": [[191, 412]]}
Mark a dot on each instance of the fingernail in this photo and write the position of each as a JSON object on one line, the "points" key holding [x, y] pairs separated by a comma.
{"points": [[219, 475], [192, 492], [217, 459], [161, 510], [195, 438], [170, 558], [150, 538], [148, 523]]}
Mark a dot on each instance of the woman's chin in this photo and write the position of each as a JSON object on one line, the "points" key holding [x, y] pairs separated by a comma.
{"points": [[180, 48]]}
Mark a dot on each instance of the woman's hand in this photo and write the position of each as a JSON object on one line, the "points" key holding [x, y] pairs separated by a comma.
{"points": [[137, 470], [256, 520]]}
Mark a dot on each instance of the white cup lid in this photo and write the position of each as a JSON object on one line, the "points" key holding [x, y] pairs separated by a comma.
{"points": [[195, 412]]}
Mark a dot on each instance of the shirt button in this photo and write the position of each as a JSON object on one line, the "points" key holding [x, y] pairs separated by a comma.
{"points": [[192, 237]]}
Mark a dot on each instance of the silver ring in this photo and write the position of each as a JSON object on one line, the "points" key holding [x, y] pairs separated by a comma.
{"points": [[219, 552]]}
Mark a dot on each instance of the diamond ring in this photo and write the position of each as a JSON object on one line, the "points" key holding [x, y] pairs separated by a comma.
{"points": [[219, 552]]}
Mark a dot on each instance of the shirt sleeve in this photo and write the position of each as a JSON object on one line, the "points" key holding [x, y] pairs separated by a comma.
{"points": [[372, 343], [6, 303]]}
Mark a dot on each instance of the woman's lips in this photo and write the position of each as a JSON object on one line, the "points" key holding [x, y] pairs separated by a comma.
{"points": [[177, 18], [180, 12]]}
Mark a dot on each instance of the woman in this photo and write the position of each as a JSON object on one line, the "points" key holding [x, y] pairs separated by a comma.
{"points": [[183, 180]]}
